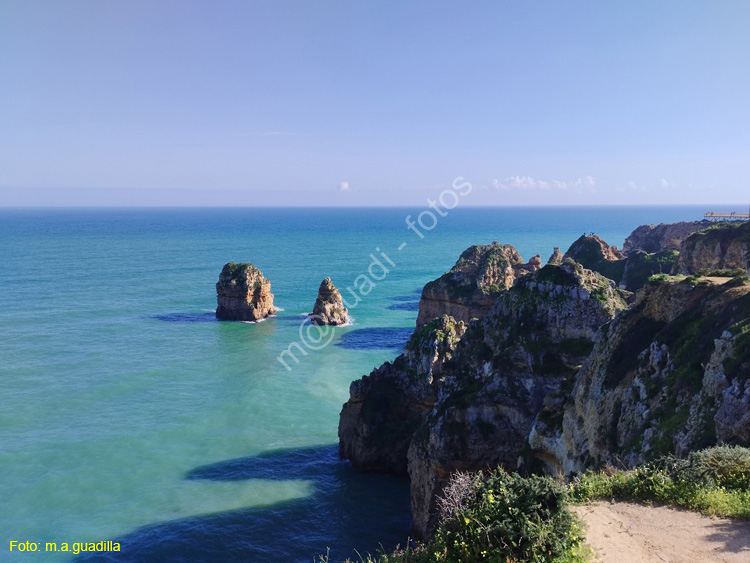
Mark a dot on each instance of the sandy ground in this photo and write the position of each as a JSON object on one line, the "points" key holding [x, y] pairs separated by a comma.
{"points": [[622, 532]]}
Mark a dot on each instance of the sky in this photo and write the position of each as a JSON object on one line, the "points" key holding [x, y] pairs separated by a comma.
{"points": [[160, 102]]}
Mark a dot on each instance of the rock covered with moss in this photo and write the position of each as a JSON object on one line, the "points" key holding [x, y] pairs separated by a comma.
{"points": [[668, 376], [386, 407], [243, 294], [594, 253], [657, 238], [524, 353], [556, 258], [329, 308], [471, 287], [725, 246]]}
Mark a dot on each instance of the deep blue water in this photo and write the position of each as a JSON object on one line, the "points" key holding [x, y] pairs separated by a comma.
{"points": [[130, 413]]}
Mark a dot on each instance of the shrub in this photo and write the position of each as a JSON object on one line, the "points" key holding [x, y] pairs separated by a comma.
{"points": [[500, 516], [715, 481]]}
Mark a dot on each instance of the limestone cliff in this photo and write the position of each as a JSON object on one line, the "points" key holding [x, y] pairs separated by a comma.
{"points": [[243, 294], [725, 246], [471, 287], [631, 272], [387, 406], [521, 355], [668, 376], [558, 372], [329, 308], [656, 238], [595, 254], [458, 400]]}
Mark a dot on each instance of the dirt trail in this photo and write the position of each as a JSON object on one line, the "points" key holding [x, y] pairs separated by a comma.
{"points": [[631, 533]]}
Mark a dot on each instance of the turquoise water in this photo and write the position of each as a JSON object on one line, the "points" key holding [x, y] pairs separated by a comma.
{"points": [[130, 413]]}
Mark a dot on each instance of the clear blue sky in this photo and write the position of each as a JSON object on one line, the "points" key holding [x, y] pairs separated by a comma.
{"points": [[363, 102]]}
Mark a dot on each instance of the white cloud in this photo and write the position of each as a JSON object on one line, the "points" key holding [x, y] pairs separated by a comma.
{"points": [[344, 186], [666, 184], [587, 184]]}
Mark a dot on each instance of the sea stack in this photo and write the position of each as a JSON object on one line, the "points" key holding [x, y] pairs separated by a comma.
{"points": [[329, 309], [243, 294]]}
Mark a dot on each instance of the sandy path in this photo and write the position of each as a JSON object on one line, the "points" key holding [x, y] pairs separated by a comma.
{"points": [[623, 533]]}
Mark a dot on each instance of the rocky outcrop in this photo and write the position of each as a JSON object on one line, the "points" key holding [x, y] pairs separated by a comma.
{"points": [[595, 254], [470, 288], [558, 373], [556, 258], [525, 352], [639, 266], [725, 246], [460, 400], [668, 376], [243, 294], [386, 407], [656, 238], [329, 308]]}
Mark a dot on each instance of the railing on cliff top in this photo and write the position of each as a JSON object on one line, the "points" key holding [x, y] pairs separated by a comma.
{"points": [[726, 216]]}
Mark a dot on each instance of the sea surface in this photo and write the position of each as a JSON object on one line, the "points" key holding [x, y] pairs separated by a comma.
{"points": [[129, 413]]}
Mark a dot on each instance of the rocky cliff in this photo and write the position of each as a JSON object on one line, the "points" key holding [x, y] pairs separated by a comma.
{"points": [[329, 308], [243, 294], [725, 246], [668, 376], [471, 287], [656, 238], [521, 355], [631, 272], [386, 407], [559, 373], [466, 400], [595, 254]]}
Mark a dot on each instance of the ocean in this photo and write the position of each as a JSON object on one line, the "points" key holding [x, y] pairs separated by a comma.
{"points": [[129, 413]]}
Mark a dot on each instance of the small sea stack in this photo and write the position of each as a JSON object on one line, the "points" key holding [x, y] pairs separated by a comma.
{"points": [[243, 294], [329, 308]]}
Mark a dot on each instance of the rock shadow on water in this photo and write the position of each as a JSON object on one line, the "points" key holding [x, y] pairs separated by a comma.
{"points": [[209, 317], [375, 339], [404, 306], [346, 511]]}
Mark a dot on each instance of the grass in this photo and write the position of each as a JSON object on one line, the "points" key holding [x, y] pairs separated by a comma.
{"points": [[715, 482], [503, 517]]}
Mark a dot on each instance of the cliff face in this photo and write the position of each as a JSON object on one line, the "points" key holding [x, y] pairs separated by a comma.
{"points": [[725, 246], [504, 369], [243, 294], [668, 376], [656, 238], [387, 406], [558, 373], [329, 308], [471, 287], [463, 398], [595, 254]]}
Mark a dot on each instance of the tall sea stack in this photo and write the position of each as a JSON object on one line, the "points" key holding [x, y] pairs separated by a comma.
{"points": [[243, 294], [329, 308]]}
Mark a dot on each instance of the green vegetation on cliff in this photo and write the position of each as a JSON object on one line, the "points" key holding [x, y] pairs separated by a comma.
{"points": [[499, 516], [715, 481]]}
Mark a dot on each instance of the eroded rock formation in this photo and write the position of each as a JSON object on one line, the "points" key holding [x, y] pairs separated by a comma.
{"points": [[243, 294], [386, 407], [471, 287], [558, 372], [656, 238], [668, 376], [466, 400], [725, 246], [329, 309]]}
